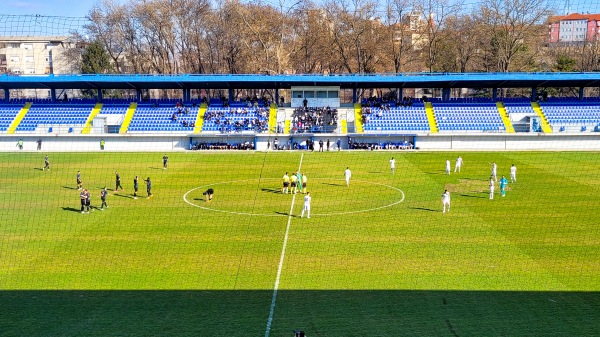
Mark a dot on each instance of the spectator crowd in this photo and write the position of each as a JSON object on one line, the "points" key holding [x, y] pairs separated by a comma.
{"points": [[239, 119], [309, 119]]}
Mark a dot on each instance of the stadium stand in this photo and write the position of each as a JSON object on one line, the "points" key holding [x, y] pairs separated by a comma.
{"points": [[518, 109], [163, 116], [572, 115], [476, 116], [66, 113], [403, 118], [170, 115], [8, 112]]}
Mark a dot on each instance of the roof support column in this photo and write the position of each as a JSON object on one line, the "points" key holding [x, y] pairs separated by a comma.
{"points": [[99, 97], [534, 94], [230, 94], [276, 97], [581, 89], [446, 94], [6, 95], [187, 95], [495, 94], [400, 95], [354, 95], [53, 95], [138, 95]]}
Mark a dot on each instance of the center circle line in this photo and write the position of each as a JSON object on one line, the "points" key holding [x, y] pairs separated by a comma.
{"points": [[278, 215]]}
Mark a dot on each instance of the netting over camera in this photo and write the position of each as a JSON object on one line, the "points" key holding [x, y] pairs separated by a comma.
{"points": [[39, 25]]}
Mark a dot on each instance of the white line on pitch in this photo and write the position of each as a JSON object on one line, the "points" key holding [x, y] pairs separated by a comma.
{"points": [[285, 239]]}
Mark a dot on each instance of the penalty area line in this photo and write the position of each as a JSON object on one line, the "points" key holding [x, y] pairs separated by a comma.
{"points": [[281, 258]]}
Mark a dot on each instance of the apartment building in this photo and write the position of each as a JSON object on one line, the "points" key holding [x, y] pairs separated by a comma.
{"points": [[574, 28]]}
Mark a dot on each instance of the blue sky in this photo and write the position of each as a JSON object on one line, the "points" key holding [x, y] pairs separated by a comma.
{"points": [[46, 7]]}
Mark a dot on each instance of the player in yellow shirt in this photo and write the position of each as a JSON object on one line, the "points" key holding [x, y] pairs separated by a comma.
{"points": [[304, 180], [286, 183], [294, 184]]}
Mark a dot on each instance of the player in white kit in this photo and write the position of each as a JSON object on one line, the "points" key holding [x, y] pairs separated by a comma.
{"points": [[392, 165], [458, 165], [513, 174], [445, 201], [491, 187], [448, 167], [306, 205], [347, 175], [494, 171]]}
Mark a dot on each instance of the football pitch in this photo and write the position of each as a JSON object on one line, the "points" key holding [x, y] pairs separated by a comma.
{"points": [[376, 258]]}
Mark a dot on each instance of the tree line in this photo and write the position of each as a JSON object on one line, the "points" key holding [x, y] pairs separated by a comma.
{"points": [[328, 37]]}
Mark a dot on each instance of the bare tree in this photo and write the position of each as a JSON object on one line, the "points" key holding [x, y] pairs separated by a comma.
{"points": [[402, 35], [355, 29], [514, 29], [435, 12]]}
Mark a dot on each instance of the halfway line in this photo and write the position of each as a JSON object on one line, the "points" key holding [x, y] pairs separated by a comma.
{"points": [[285, 239]]}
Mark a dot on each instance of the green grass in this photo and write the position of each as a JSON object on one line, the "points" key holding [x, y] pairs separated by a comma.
{"points": [[365, 264]]}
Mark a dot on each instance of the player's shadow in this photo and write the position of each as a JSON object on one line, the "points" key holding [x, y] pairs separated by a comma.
{"points": [[423, 209], [332, 184], [375, 172], [443, 173], [37, 168], [472, 196], [70, 188], [124, 196], [283, 213], [155, 168], [71, 209], [271, 190]]}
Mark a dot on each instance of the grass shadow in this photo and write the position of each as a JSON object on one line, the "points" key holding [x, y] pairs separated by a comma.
{"points": [[472, 196], [330, 313], [123, 196], [331, 184], [271, 190], [71, 209], [423, 209]]}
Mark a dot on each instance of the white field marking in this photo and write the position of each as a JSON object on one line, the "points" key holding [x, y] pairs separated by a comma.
{"points": [[285, 239], [314, 214]]}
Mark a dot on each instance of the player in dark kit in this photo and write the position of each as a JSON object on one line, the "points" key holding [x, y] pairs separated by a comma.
{"points": [[88, 200], [148, 186], [46, 163], [79, 182], [208, 194], [135, 187], [82, 198], [118, 181], [165, 161], [103, 195]]}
